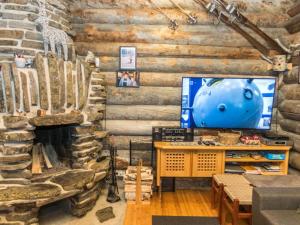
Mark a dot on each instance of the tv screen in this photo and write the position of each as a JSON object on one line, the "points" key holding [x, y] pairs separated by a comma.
{"points": [[227, 103]]}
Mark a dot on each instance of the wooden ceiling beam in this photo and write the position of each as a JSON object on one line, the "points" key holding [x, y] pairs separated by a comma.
{"points": [[294, 10]]}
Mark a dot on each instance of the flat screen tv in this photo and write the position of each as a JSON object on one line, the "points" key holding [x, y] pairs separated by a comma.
{"points": [[227, 103]]}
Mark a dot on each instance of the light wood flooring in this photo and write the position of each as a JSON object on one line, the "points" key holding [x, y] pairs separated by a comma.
{"points": [[179, 203]]}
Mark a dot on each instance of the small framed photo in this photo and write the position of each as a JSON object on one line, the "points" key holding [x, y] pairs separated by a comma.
{"points": [[129, 79], [127, 58]]}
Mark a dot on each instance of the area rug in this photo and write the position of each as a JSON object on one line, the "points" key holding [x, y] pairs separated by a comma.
{"points": [[184, 220]]}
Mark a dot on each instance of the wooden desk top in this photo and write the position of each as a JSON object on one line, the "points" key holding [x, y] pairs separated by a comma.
{"points": [[241, 147]]}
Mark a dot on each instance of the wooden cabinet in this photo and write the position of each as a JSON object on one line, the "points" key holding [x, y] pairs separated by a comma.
{"points": [[207, 163], [204, 161], [175, 163]]}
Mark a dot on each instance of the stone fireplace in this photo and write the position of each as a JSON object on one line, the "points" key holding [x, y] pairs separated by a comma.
{"points": [[51, 137]]}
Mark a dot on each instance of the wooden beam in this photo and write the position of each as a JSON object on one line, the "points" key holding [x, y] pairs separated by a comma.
{"points": [[46, 158], [293, 26], [294, 10]]}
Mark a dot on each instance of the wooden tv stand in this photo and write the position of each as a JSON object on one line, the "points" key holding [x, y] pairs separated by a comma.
{"points": [[187, 160]]}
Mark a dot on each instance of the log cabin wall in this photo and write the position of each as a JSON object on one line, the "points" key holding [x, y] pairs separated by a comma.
{"points": [[165, 56], [289, 95]]}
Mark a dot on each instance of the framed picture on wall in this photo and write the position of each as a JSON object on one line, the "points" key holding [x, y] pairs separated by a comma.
{"points": [[128, 78], [127, 58]]}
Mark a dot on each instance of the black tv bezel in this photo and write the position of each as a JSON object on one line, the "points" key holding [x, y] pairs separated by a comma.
{"points": [[222, 128]]}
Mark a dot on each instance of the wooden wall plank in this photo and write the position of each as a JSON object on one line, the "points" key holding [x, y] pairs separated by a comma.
{"points": [[148, 16], [164, 79], [191, 65], [259, 6], [143, 96], [160, 34], [135, 127], [158, 50], [143, 112]]}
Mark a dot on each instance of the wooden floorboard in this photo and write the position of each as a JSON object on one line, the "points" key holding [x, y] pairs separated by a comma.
{"points": [[179, 203]]}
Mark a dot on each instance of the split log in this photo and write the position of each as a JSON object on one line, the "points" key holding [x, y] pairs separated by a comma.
{"points": [[33, 89], [192, 65], [135, 127], [70, 90], [290, 125], [187, 35], [250, 6], [143, 112], [15, 76], [148, 16], [41, 72], [144, 96], [54, 83], [294, 10], [112, 49], [170, 79], [295, 160], [122, 142], [294, 137], [290, 109], [6, 75], [292, 77], [61, 72], [25, 92], [291, 92]]}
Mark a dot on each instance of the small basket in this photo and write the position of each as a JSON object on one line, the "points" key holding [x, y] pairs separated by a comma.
{"points": [[229, 138]]}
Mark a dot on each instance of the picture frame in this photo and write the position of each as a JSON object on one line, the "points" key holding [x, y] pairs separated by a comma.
{"points": [[128, 55], [128, 79]]}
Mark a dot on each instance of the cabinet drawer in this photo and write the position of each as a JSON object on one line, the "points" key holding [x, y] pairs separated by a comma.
{"points": [[175, 163], [207, 163]]}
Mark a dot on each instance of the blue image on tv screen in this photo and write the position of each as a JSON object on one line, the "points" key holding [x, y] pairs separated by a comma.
{"points": [[229, 103]]}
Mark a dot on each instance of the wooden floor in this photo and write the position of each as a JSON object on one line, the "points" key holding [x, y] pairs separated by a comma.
{"points": [[179, 203]]}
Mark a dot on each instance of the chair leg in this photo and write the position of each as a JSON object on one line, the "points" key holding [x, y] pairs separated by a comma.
{"points": [[222, 216], [213, 198], [221, 196], [235, 212]]}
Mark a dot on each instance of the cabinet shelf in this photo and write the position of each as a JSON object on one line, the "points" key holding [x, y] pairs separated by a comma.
{"points": [[249, 159]]}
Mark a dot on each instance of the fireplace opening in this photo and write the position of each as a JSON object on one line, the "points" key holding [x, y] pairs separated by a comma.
{"points": [[52, 150]]}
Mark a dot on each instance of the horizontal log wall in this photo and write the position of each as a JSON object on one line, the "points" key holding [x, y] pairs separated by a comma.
{"points": [[165, 56]]}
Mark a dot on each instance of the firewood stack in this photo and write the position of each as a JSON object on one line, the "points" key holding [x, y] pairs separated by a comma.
{"points": [[130, 180]]}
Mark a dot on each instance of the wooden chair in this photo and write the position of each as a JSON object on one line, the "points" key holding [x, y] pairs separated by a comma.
{"points": [[219, 181], [237, 200]]}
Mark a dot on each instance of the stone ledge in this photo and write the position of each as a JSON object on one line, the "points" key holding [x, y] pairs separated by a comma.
{"points": [[59, 119]]}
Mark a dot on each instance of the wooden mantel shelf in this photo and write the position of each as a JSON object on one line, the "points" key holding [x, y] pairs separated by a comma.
{"points": [[57, 119]]}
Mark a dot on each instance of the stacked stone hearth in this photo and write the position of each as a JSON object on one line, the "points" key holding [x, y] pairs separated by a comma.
{"points": [[55, 93]]}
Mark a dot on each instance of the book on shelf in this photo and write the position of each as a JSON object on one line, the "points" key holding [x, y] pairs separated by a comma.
{"points": [[252, 169], [236, 169]]}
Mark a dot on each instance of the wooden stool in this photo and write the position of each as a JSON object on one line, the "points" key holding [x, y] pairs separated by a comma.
{"points": [[219, 181], [235, 198]]}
